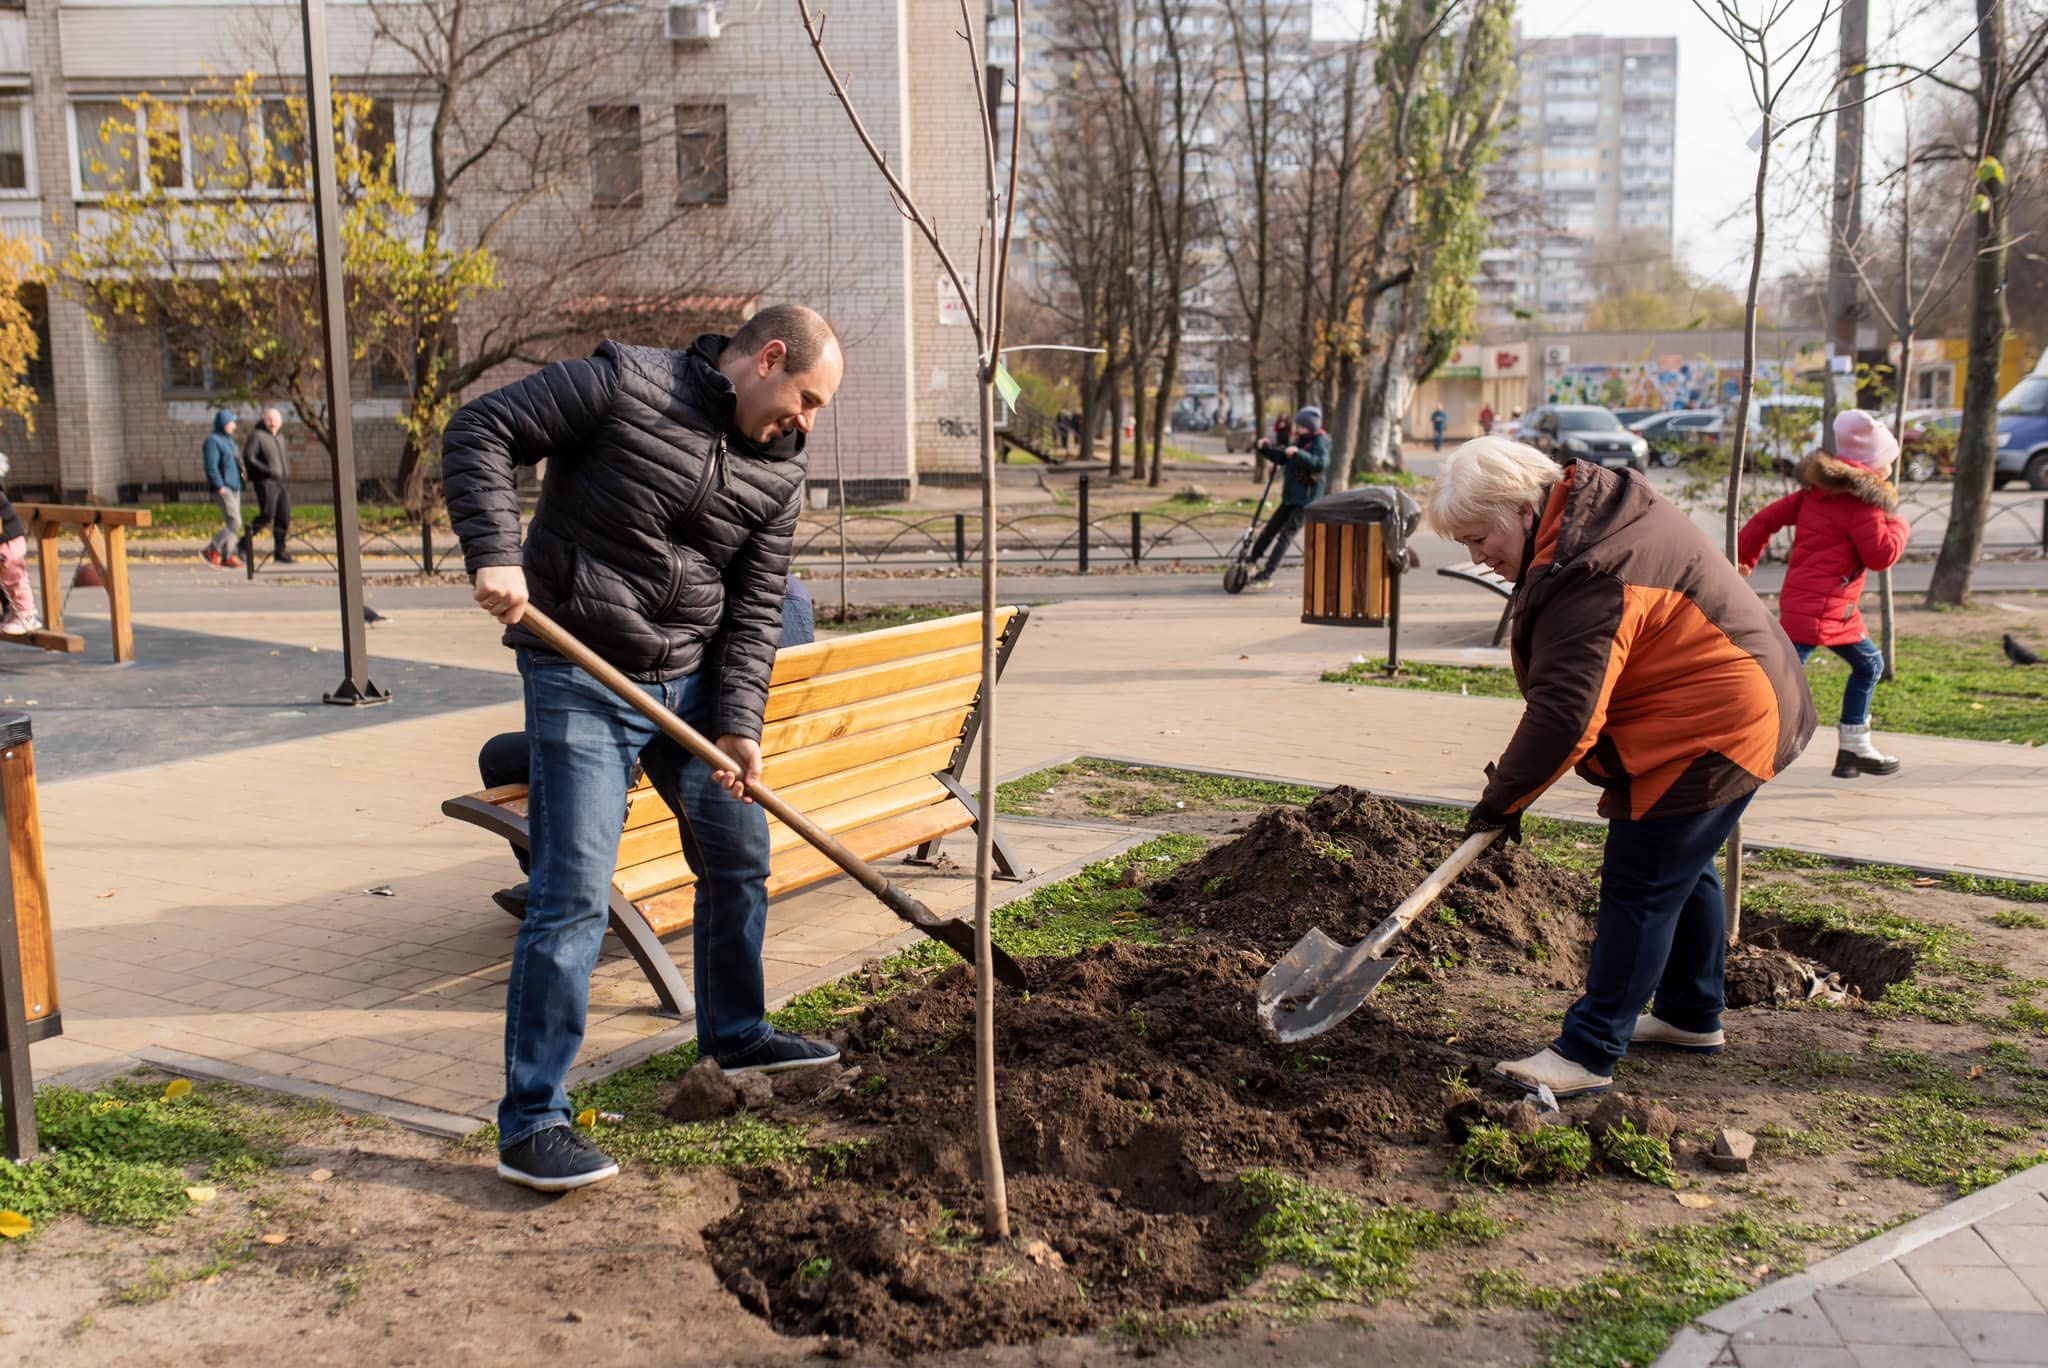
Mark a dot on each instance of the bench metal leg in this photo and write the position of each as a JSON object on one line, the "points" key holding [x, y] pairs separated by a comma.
{"points": [[1501, 628], [1008, 866], [653, 958]]}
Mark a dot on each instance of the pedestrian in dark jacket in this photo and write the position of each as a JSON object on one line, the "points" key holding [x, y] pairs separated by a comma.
{"points": [[1846, 513], [224, 478], [1646, 662], [269, 466], [673, 484], [21, 617], [1302, 460]]}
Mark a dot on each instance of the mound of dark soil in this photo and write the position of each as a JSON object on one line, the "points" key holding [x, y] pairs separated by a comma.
{"points": [[1134, 1084], [1348, 859]]}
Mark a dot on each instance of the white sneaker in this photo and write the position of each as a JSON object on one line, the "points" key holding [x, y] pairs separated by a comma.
{"points": [[1552, 1070], [1651, 1031], [20, 626]]}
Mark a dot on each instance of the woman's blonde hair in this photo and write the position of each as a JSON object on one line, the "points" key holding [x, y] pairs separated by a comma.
{"points": [[1486, 482]]}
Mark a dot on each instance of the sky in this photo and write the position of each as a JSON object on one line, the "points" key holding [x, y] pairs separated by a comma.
{"points": [[1715, 169]]}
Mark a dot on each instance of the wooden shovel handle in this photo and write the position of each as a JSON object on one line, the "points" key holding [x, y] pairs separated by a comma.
{"points": [[1426, 892], [693, 741]]}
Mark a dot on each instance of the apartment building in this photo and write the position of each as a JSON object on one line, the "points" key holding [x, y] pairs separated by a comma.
{"points": [[722, 112], [1588, 170]]}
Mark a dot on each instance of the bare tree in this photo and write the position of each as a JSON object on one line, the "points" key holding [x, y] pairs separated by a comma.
{"points": [[984, 298]]}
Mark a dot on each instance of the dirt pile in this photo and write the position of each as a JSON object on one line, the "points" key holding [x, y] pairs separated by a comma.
{"points": [[1134, 1084], [1348, 859]]}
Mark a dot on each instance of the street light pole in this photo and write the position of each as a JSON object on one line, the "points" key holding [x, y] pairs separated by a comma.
{"points": [[355, 689]]}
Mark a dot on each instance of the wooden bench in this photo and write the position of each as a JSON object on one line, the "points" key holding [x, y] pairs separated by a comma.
{"points": [[28, 962], [1486, 579], [104, 531], [867, 734]]}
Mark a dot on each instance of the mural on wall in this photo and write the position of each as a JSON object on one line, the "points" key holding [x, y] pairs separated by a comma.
{"points": [[1668, 382]]}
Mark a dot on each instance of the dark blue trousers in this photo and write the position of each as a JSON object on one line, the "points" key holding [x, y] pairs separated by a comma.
{"points": [[1661, 934]]}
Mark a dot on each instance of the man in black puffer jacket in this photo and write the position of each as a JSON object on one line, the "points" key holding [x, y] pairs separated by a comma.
{"points": [[662, 542]]}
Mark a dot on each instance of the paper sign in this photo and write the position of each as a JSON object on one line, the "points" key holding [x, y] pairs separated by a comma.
{"points": [[1007, 386], [952, 308]]}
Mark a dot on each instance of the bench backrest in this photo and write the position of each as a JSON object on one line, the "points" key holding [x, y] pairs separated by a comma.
{"points": [[856, 729]]}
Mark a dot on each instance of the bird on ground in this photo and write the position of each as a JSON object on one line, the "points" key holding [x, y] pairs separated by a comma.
{"points": [[2018, 654]]}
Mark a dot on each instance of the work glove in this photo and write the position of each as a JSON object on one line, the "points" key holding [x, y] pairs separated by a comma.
{"points": [[1484, 818]]}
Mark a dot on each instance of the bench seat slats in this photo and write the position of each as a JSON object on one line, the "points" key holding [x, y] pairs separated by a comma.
{"points": [[830, 724], [874, 681], [666, 871], [791, 769], [673, 910], [835, 655], [655, 839]]}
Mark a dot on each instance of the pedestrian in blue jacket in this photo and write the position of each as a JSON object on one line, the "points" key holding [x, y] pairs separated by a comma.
{"points": [[1303, 459], [224, 478]]}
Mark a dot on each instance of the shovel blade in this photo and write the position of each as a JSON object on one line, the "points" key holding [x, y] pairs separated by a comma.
{"points": [[1309, 991]]}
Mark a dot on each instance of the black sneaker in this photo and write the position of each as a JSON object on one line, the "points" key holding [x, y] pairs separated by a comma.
{"points": [[512, 900], [780, 1052], [557, 1159], [283, 557]]}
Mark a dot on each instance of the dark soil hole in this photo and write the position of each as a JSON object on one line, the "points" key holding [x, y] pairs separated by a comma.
{"points": [[1866, 964]]}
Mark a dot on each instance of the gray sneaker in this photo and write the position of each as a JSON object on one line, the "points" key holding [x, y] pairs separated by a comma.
{"points": [[558, 1159]]}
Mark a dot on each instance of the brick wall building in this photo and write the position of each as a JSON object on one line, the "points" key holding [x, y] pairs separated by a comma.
{"points": [[789, 207]]}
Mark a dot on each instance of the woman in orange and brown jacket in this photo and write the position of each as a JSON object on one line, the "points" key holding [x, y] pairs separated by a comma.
{"points": [[1649, 664]]}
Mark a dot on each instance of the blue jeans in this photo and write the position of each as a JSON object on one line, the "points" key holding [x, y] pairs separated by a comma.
{"points": [[1661, 932], [1866, 667], [583, 741]]}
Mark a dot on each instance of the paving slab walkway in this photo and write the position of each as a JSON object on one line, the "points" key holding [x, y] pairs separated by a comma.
{"points": [[1962, 1286]]}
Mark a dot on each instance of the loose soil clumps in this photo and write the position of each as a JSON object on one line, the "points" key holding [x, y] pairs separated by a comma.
{"points": [[1348, 859]]}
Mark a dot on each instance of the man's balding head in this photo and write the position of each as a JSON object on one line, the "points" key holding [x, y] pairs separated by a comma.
{"points": [[785, 364]]}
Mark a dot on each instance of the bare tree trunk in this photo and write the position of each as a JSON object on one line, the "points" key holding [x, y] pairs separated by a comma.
{"points": [[1344, 422], [1116, 429], [1138, 421], [1976, 444], [1168, 366]]}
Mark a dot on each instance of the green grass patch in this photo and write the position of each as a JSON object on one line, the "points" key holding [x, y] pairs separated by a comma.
{"points": [[203, 519], [1624, 1149], [2019, 919], [1477, 681], [1120, 790], [1346, 1252], [1937, 948], [1665, 1277], [1494, 1154], [123, 1153], [1930, 1135], [872, 617], [1962, 688]]}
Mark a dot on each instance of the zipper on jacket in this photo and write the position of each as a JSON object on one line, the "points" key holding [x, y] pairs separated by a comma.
{"points": [[713, 476]]}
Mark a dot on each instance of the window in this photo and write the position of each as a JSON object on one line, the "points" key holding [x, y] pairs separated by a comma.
{"points": [[191, 366], [217, 147], [615, 156], [701, 167], [284, 144], [166, 146], [377, 134], [106, 147], [389, 374], [13, 147]]}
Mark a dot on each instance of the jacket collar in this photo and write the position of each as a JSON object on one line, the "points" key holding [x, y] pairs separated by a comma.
{"points": [[1825, 474], [715, 391]]}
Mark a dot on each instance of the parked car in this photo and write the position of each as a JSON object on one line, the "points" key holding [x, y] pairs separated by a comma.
{"points": [[2023, 434], [1927, 443], [1585, 432], [1631, 416], [1673, 431]]}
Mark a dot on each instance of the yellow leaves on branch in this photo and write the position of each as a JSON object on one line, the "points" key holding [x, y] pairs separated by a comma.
{"points": [[18, 345]]}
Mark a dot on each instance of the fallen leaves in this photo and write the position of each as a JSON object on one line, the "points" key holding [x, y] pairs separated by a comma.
{"points": [[587, 1118], [177, 1088], [275, 1237], [319, 1175], [14, 1225], [1695, 1201], [199, 1196]]}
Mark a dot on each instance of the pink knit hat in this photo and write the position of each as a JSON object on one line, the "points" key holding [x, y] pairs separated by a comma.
{"points": [[1861, 440]]}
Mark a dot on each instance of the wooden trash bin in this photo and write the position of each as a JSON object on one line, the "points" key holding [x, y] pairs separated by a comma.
{"points": [[1347, 578], [28, 961]]}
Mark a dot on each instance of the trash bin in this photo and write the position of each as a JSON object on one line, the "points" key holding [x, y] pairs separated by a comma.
{"points": [[1354, 548]]}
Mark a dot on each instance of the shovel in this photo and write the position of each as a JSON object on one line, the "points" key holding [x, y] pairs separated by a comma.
{"points": [[1319, 982], [951, 932]]}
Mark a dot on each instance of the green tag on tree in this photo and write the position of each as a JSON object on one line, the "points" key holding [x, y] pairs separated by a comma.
{"points": [[1007, 386]]}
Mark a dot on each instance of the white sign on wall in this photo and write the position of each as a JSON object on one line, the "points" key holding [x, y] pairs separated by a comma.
{"points": [[952, 308]]}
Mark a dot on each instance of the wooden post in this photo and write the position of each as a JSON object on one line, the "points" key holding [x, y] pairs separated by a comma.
{"points": [[117, 594], [48, 536], [28, 970]]}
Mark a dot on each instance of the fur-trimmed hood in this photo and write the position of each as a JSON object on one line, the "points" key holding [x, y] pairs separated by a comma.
{"points": [[1824, 474]]}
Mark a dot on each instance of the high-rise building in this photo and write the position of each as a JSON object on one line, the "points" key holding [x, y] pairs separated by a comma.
{"points": [[1587, 172]]}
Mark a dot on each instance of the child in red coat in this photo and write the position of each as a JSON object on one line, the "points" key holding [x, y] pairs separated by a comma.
{"points": [[1846, 523]]}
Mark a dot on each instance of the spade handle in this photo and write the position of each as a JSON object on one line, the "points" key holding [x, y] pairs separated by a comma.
{"points": [[1426, 892]]}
